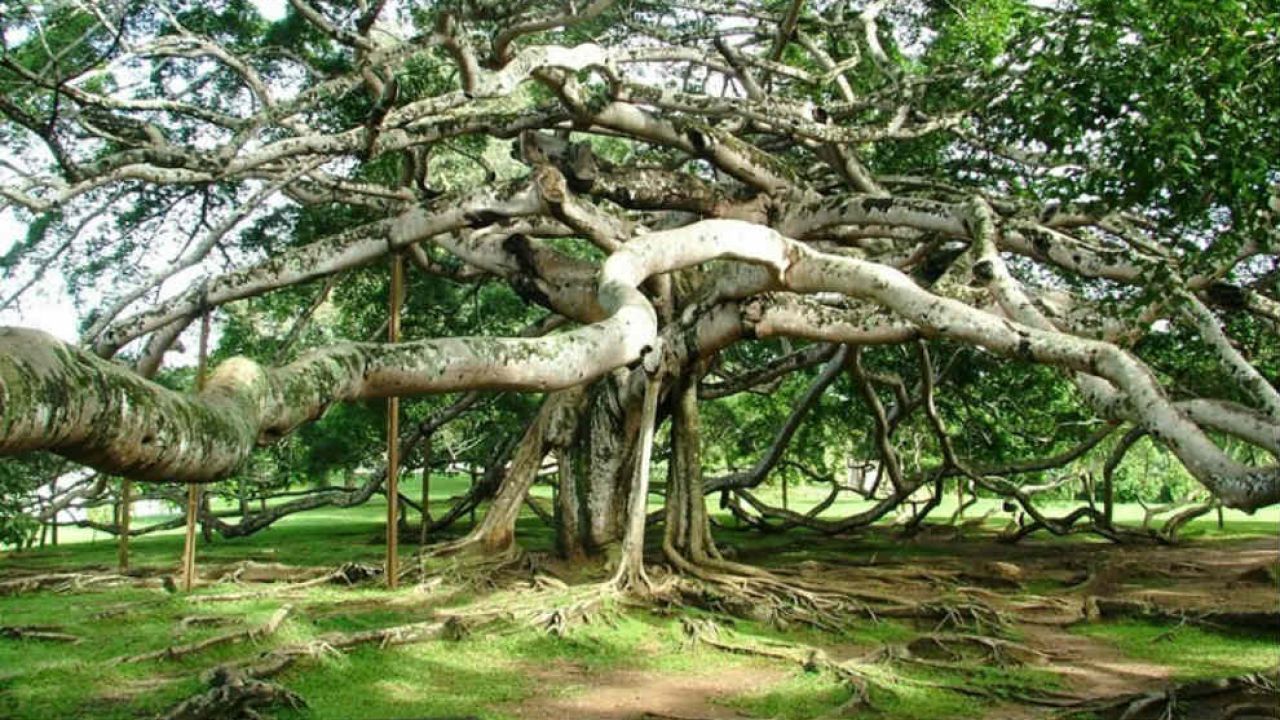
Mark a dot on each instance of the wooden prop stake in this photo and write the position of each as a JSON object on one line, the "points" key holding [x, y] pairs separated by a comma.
{"points": [[193, 490], [393, 434], [126, 502]]}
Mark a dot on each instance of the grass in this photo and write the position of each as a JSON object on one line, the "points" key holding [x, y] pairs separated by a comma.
{"points": [[1192, 651], [356, 532], [490, 674], [55, 680]]}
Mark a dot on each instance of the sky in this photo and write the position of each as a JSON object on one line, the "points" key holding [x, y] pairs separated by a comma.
{"points": [[47, 306]]}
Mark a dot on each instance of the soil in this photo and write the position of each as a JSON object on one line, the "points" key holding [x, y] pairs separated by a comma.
{"points": [[1174, 579], [640, 694]]}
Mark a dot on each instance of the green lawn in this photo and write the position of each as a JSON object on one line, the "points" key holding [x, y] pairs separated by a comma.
{"points": [[354, 533], [491, 673]]}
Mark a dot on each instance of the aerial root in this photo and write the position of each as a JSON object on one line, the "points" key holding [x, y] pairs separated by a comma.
{"points": [[1254, 695]]}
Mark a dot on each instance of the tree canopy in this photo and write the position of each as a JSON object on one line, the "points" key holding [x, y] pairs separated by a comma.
{"points": [[963, 241]]}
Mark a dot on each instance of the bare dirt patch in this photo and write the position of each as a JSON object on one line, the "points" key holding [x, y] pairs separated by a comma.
{"points": [[638, 694], [1091, 668]]}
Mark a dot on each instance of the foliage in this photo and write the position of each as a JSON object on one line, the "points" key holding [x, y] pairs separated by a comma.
{"points": [[1143, 131]]}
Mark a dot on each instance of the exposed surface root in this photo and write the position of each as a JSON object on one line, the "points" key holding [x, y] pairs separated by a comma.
{"points": [[127, 608], [1248, 621], [954, 647], [233, 696], [576, 610], [752, 593], [783, 600], [873, 673], [530, 608], [260, 572], [274, 662], [1255, 695], [48, 633], [204, 621], [346, 574], [470, 570], [65, 582], [970, 615], [812, 659], [178, 651]]}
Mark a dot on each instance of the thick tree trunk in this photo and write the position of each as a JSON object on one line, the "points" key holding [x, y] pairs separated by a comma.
{"points": [[630, 572], [567, 509], [687, 531], [603, 464], [553, 427]]}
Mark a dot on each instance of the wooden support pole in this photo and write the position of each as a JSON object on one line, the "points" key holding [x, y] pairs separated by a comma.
{"points": [[189, 541], [193, 490], [393, 433], [122, 547]]}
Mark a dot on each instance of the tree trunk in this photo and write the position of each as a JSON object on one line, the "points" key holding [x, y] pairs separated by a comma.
{"points": [[630, 571], [688, 532], [552, 427], [568, 509], [596, 487]]}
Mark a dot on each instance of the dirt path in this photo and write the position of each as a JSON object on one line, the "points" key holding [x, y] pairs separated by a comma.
{"points": [[1091, 668], [638, 694]]}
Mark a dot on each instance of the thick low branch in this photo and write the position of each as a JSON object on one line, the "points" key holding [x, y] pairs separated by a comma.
{"points": [[115, 421]]}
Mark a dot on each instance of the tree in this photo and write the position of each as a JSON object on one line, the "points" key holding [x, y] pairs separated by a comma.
{"points": [[1009, 184]]}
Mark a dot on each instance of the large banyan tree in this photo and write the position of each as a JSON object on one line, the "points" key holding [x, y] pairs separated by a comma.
{"points": [[1085, 186]]}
